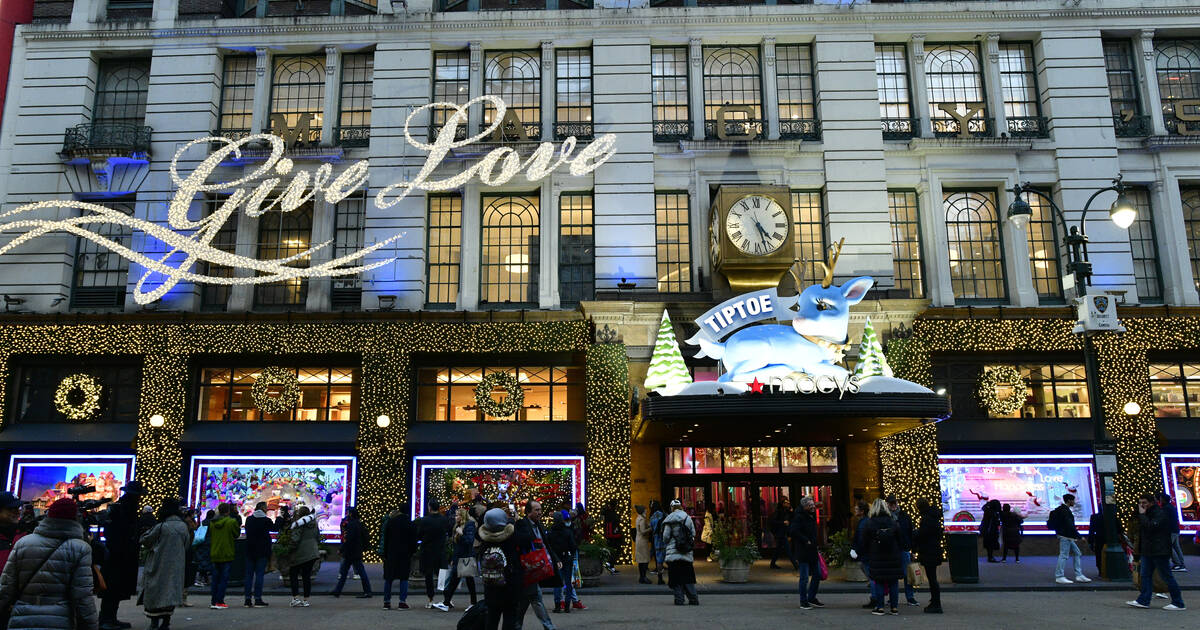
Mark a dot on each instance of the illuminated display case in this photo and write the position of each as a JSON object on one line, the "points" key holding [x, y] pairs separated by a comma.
{"points": [[1032, 484], [43, 479], [553, 480], [1182, 476]]}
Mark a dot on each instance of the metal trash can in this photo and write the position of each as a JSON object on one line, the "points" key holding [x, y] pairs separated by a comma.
{"points": [[962, 551]]}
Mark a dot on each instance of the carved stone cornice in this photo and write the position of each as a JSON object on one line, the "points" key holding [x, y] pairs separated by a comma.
{"points": [[476, 55], [260, 61], [917, 48]]}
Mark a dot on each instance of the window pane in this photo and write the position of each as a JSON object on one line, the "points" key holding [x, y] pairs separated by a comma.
{"points": [[319, 398], [573, 78], [1017, 82], [451, 84], [284, 235], [669, 84], [708, 461], [679, 460], [354, 117], [516, 77], [794, 80], [237, 96], [510, 252], [673, 242], [1144, 247], [737, 459], [795, 459], [1178, 66], [1042, 236], [1190, 198], [121, 90], [576, 249], [808, 215], [955, 80], [349, 224], [298, 98], [976, 257], [1122, 80], [824, 459], [766, 459], [444, 249], [891, 73], [732, 77], [906, 243]]}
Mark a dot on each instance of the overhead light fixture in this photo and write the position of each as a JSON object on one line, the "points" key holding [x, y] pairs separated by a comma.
{"points": [[1123, 212], [941, 391]]}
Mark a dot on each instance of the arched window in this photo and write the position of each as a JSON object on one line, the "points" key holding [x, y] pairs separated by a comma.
{"points": [[973, 237], [1191, 224], [1178, 66], [516, 77], [121, 91], [955, 80], [510, 252], [732, 77], [298, 94]]}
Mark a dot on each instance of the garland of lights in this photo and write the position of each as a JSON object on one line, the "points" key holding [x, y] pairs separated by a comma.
{"points": [[289, 390], [87, 388], [985, 392], [504, 408]]}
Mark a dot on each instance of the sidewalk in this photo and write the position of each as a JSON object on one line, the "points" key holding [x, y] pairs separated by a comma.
{"points": [[1035, 573]]}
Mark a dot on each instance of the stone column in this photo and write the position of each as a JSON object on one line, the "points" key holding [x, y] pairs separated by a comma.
{"points": [[1174, 257], [770, 90], [920, 87], [696, 86], [475, 88], [319, 289], [1148, 80], [329, 118], [992, 85], [262, 91], [548, 90]]}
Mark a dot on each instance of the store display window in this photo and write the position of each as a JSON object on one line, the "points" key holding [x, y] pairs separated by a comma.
{"points": [[43, 479], [549, 393], [555, 481], [756, 460], [1182, 476], [1175, 389], [324, 394], [1032, 484]]}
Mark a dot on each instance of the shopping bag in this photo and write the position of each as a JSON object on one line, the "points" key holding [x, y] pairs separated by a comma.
{"points": [[822, 567], [467, 568], [536, 563], [576, 578], [443, 578], [200, 535], [916, 575]]}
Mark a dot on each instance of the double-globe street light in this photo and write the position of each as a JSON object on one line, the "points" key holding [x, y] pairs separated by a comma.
{"points": [[1122, 213]]}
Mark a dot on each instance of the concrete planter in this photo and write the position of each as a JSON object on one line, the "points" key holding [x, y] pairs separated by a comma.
{"points": [[590, 570], [850, 572], [735, 571]]}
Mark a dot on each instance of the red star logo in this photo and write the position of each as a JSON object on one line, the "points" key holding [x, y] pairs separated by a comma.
{"points": [[755, 386]]}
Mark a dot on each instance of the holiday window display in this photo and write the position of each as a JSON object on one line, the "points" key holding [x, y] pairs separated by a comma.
{"points": [[1032, 484], [552, 481], [43, 479], [324, 484], [1182, 476]]}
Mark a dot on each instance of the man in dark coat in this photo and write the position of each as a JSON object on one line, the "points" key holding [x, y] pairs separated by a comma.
{"points": [[1062, 521], [906, 541], [399, 545], [529, 536], [780, 522], [120, 567], [1154, 547], [433, 529], [928, 545], [354, 542], [561, 542], [803, 532], [258, 551]]}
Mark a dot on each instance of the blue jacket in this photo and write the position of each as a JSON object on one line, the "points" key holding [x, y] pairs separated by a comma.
{"points": [[464, 546]]}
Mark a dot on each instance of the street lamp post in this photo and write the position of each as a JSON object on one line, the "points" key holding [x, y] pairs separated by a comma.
{"points": [[1122, 213]]}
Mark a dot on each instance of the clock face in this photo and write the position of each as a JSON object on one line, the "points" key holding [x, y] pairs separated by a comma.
{"points": [[756, 225]]}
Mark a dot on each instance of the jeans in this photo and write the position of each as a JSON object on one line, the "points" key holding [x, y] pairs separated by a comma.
{"points": [[566, 592], [1067, 547], [808, 592], [220, 581], [935, 589], [344, 570], [256, 568], [532, 596], [401, 594], [1149, 564], [866, 569], [301, 573], [1176, 551], [893, 589], [909, 594], [682, 590]]}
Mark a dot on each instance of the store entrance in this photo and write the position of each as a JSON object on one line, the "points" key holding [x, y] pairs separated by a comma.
{"points": [[751, 508]]}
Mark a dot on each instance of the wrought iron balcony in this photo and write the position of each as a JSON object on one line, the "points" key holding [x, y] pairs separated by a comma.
{"points": [[510, 5], [106, 140], [735, 130], [949, 127], [672, 130], [899, 128], [533, 130], [359, 136], [129, 9], [460, 132], [1132, 126], [207, 9], [581, 130], [800, 129], [1177, 127], [1028, 127]]}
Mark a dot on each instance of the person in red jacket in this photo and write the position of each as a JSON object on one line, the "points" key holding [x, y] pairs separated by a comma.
{"points": [[10, 516]]}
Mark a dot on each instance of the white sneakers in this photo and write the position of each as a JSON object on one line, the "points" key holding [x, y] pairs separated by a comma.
{"points": [[439, 605], [299, 603], [1171, 607], [1063, 580], [1174, 607], [1136, 604], [1078, 578], [1082, 578]]}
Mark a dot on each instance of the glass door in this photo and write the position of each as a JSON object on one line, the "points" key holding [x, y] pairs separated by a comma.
{"points": [[769, 500]]}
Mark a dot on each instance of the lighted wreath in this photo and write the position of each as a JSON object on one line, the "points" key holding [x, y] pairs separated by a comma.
{"points": [[289, 390], [1003, 375], [511, 403], [78, 396]]}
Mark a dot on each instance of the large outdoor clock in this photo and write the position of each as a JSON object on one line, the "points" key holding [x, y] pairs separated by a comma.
{"points": [[750, 235]]}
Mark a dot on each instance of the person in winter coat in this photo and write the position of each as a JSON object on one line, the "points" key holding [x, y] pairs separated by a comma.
{"points": [[354, 542], [399, 543], [906, 541], [47, 582], [989, 527], [258, 551], [162, 580], [502, 591], [528, 532], [200, 555], [1062, 520], [561, 541], [643, 546], [928, 544], [803, 533], [614, 535], [10, 519], [679, 535], [881, 536], [660, 551], [1154, 547], [120, 565], [859, 551], [1011, 523], [780, 523], [222, 533], [462, 566], [1168, 505], [706, 533], [433, 529], [306, 538]]}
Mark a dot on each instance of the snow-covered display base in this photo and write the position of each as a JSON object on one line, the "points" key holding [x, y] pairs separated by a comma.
{"points": [[889, 385], [868, 385], [705, 388]]}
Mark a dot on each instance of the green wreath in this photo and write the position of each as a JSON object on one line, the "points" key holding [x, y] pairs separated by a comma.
{"points": [[507, 407], [78, 396], [1003, 375], [289, 393]]}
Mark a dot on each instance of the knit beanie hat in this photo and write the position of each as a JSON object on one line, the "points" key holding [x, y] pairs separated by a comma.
{"points": [[495, 520], [63, 508]]}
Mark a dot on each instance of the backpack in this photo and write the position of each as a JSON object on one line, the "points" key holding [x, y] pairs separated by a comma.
{"points": [[683, 538], [1053, 520], [492, 563]]}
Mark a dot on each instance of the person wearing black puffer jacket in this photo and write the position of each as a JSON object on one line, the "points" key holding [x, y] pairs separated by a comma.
{"points": [[1154, 547], [881, 536], [258, 550], [803, 532], [354, 541], [561, 541], [928, 545]]}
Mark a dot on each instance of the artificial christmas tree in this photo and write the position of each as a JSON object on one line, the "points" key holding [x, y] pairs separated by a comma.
{"points": [[667, 369], [871, 360]]}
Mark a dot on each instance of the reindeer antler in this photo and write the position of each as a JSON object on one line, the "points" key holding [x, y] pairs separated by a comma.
{"points": [[796, 270], [836, 251]]}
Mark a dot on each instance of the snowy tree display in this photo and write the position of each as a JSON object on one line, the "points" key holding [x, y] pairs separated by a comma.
{"points": [[667, 369], [871, 360]]}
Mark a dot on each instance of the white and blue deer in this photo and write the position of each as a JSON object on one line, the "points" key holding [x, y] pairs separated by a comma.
{"points": [[813, 344]]}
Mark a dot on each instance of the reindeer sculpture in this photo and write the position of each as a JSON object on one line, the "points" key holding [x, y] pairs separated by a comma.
{"points": [[813, 344]]}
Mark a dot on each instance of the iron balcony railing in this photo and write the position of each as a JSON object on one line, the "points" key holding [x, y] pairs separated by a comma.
{"points": [[800, 129], [107, 138], [460, 132], [1177, 127], [949, 127], [1132, 126], [899, 128], [1028, 127], [672, 130], [581, 130], [735, 130], [355, 136]]}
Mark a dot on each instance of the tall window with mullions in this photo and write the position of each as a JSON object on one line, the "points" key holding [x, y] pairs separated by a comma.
{"points": [[443, 250], [516, 77], [1122, 79], [349, 224], [576, 248], [510, 255], [673, 242], [573, 90], [1143, 245], [976, 254], [1042, 233], [895, 100], [121, 91], [907, 269], [100, 275], [797, 100], [298, 94], [732, 76], [354, 117], [1190, 198], [281, 235], [237, 97], [955, 80], [808, 230], [215, 297], [1178, 68], [451, 84], [669, 92], [1018, 86]]}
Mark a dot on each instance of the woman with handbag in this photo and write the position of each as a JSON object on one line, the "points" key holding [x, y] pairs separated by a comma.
{"points": [[47, 581], [463, 567], [162, 579], [803, 530]]}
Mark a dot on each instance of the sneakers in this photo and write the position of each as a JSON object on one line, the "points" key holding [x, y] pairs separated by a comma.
{"points": [[1174, 607], [1161, 596], [438, 605], [878, 611], [816, 603], [218, 606], [894, 612], [1082, 578], [261, 604], [387, 605], [1180, 568], [295, 603], [1063, 580], [913, 602], [805, 606], [363, 596], [402, 606], [248, 604], [577, 605], [1136, 604]]}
